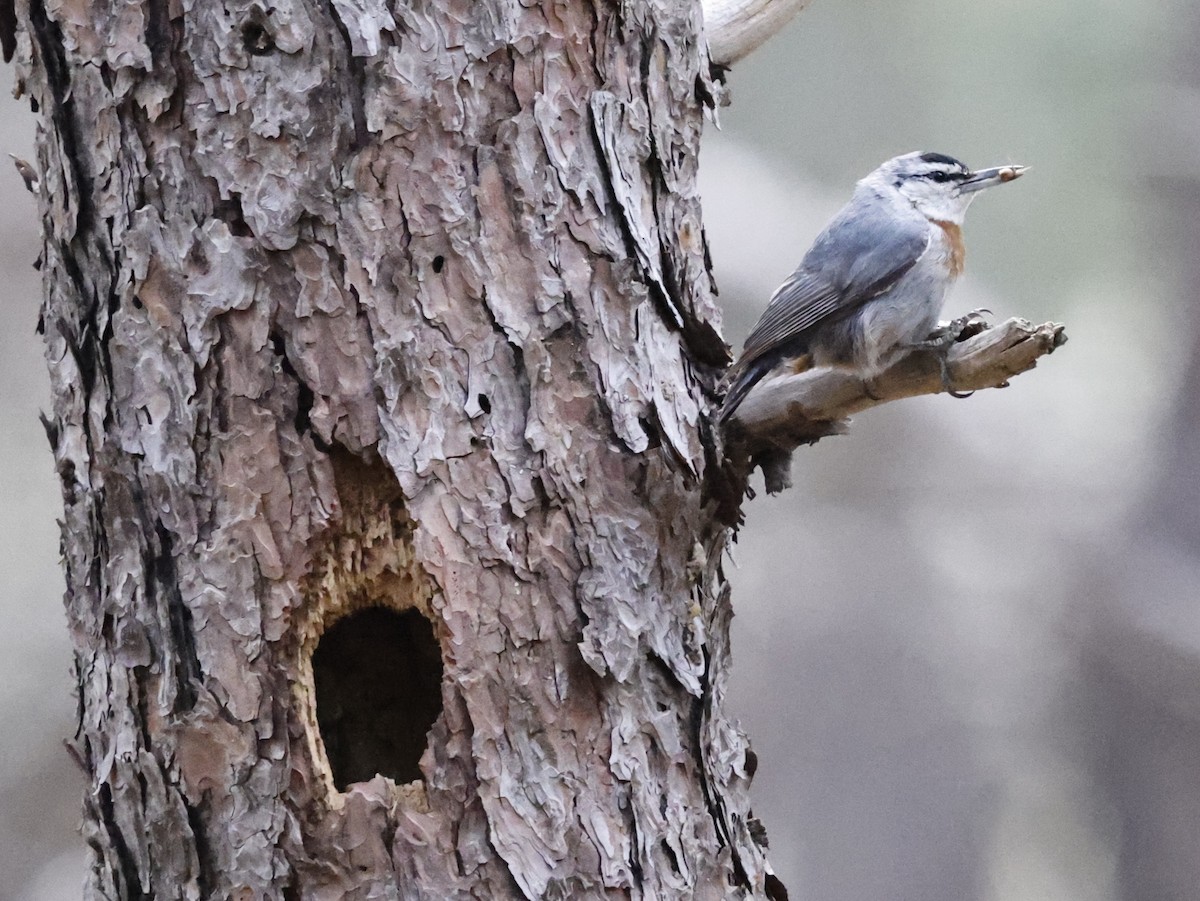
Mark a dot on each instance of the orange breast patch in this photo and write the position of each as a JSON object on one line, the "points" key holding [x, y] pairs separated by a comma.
{"points": [[958, 251]]}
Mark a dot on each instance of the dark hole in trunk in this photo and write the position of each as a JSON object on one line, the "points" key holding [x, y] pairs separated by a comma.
{"points": [[378, 677]]}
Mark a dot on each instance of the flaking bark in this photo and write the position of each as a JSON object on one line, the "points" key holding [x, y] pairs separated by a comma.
{"points": [[460, 243]]}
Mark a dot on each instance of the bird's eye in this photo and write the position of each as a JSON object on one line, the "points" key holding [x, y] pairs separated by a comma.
{"points": [[939, 176]]}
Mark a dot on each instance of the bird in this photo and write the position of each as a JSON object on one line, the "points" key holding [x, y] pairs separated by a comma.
{"points": [[872, 285]]}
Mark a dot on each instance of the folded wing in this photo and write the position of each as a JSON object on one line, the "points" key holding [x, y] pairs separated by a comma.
{"points": [[859, 256]]}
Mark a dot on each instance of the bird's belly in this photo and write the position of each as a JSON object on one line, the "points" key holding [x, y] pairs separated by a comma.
{"points": [[901, 317]]}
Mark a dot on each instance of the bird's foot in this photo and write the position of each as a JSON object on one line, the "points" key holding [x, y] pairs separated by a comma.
{"points": [[971, 324], [956, 330], [952, 332], [947, 384]]}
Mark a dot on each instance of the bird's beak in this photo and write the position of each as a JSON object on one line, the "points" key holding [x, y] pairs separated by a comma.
{"points": [[985, 178]]}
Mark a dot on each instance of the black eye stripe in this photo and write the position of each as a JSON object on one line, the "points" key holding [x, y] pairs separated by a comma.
{"points": [[939, 175]]}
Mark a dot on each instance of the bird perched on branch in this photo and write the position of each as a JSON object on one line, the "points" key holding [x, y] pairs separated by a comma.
{"points": [[871, 286]]}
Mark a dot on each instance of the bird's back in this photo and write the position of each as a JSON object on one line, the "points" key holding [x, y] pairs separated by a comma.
{"points": [[865, 250]]}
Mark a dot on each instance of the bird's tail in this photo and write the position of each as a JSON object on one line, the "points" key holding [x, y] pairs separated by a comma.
{"points": [[741, 379]]}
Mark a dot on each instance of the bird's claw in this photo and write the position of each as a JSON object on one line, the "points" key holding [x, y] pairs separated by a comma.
{"points": [[957, 330], [947, 383], [970, 325], [953, 332]]}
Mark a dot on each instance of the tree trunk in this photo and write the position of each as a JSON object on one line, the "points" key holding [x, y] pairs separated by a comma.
{"points": [[382, 342]]}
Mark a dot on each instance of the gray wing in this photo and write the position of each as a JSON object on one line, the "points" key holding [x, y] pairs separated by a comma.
{"points": [[855, 259], [865, 250]]}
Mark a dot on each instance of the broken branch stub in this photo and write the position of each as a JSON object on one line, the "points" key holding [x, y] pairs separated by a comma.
{"points": [[785, 411], [735, 28]]}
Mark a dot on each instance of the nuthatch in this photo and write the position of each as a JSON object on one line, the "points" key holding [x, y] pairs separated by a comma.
{"points": [[871, 286]]}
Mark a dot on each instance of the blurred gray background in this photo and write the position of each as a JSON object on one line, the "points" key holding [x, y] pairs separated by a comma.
{"points": [[968, 641]]}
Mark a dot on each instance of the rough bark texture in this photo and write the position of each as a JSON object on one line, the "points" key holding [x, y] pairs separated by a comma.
{"points": [[355, 303]]}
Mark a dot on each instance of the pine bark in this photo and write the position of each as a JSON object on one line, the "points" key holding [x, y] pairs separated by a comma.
{"points": [[358, 304]]}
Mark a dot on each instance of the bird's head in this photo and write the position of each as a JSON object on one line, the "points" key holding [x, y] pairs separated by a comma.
{"points": [[939, 186]]}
